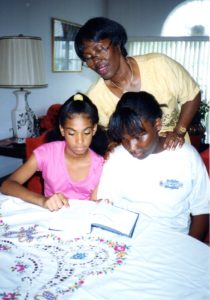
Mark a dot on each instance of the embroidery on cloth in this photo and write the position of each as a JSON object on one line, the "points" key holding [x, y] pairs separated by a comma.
{"points": [[171, 184], [25, 257], [41, 265]]}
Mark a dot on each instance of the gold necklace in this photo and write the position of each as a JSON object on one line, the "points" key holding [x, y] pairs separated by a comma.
{"points": [[118, 86]]}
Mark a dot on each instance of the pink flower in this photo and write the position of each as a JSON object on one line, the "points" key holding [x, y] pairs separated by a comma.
{"points": [[119, 248], [9, 296], [119, 261]]}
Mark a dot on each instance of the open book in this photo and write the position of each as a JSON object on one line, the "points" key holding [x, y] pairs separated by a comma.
{"points": [[82, 216]]}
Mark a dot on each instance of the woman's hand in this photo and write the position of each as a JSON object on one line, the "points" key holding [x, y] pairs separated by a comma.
{"points": [[56, 201], [172, 140]]}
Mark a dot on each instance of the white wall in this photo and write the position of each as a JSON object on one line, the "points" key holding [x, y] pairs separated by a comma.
{"points": [[33, 17], [141, 17]]}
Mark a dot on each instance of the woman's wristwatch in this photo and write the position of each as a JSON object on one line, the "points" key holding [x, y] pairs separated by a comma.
{"points": [[181, 131]]}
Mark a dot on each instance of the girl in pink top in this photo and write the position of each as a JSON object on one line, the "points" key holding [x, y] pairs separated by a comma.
{"points": [[70, 169]]}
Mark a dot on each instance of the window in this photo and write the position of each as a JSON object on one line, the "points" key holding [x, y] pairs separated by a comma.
{"points": [[185, 38], [191, 50], [190, 18], [193, 53]]}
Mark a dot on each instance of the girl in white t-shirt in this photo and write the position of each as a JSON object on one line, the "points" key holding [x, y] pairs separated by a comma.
{"points": [[168, 187]]}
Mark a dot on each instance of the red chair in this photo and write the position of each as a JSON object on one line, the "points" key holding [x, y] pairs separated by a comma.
{"points": [[47, 123], [35, 183], [205, 156]]}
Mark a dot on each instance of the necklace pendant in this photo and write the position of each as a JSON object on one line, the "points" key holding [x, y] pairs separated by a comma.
{"points": [[130, 81]]}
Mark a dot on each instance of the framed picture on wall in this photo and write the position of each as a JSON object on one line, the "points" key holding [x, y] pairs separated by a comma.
{"points": [[64, 57]]}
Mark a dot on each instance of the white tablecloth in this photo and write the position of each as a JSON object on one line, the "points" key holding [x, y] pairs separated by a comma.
{"points": [[36, 263]]}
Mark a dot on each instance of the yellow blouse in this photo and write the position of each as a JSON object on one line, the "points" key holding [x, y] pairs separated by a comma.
{"points": [[161, 76]]}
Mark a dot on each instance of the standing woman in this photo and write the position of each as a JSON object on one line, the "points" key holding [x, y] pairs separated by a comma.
{"points": [[100, 43]]}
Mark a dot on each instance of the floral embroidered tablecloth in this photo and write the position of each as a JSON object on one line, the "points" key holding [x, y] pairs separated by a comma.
{"points": [[39, 264], [36, 264]]}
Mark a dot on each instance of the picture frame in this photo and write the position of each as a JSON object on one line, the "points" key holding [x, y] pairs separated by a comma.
{"points": [[64, 57]]}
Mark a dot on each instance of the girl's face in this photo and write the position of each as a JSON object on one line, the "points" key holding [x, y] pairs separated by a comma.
{"points": [[145, 143], [102, 57], [78, 132]]}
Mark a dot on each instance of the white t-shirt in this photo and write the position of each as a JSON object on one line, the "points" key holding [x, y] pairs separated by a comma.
{"points": [[166, 187]]}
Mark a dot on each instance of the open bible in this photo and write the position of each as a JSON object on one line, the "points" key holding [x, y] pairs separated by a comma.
{"points": [[82, 216]]}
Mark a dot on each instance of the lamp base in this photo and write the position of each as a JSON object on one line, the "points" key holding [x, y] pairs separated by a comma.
{"points": [[22, 117], [19, 140]]}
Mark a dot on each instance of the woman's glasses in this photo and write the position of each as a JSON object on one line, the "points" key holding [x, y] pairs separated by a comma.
{"points": [[100, 52]]}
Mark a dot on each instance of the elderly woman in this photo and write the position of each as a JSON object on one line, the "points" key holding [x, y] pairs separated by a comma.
{"points": [[100, 43]]}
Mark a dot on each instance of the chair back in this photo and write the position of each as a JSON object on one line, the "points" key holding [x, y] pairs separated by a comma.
{"points": [[35, 183]]}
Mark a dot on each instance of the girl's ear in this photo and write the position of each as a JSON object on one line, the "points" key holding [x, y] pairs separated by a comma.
{"points": [[158, 124], [95, 128], [61, 130]]}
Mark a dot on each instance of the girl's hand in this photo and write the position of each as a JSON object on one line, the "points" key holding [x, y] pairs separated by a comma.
{"points": [[56, 201], [107, 201]]}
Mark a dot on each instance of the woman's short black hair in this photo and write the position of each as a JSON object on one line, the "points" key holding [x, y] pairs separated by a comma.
{"points": [[100, 28], [132, 108]]}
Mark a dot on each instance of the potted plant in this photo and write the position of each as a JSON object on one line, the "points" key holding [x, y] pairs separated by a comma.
{"points": [[197, 127]]}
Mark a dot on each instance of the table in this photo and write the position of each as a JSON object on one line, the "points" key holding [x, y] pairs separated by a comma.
{"points": [[36, 263], [9, 148]]}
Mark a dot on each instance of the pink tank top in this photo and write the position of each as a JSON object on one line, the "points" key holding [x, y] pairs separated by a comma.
{"points": [[51, 163]]}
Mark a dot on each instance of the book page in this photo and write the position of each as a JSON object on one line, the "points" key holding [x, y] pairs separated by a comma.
{"points": [[82, 215], [74, 219], [114, 219]]}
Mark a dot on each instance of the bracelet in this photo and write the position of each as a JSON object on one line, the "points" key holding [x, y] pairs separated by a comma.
{"points": [[181, 131]]}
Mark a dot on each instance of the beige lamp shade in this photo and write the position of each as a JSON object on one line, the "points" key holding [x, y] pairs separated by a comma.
{"points": [[21, 62], [22, 66]]}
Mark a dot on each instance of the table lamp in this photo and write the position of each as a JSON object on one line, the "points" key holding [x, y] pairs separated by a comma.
{"points": [[21, 67]]}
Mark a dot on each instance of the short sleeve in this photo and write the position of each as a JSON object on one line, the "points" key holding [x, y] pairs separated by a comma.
{"points": [[185, 86], [200, 194], [109, 185], [41, 155]]}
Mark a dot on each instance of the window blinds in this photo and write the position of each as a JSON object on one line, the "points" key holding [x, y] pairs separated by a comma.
{"points": [[192, 52]]}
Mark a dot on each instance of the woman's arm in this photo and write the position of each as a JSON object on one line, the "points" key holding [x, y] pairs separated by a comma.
{"points": [[199, 226], [13, 185], [188, 111]]}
